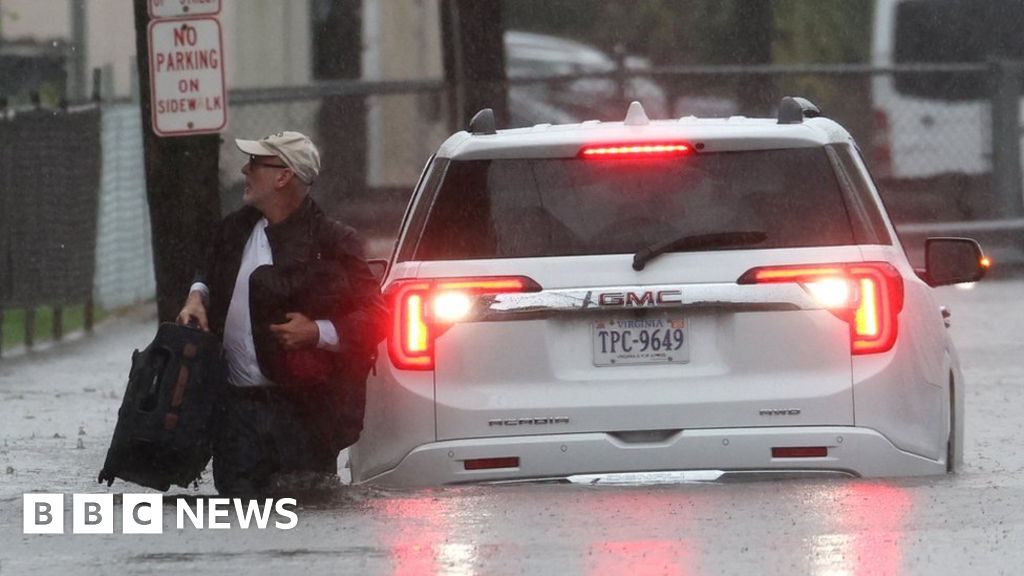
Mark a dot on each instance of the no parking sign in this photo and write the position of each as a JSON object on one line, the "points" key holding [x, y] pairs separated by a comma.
{"points": [[186, 72]]}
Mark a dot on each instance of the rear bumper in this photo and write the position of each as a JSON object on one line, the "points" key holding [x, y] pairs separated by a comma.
{"points": [[856, 451]]}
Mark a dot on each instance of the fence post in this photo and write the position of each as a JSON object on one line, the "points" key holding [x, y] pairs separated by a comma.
{"points": [[89, 315], [30, 327], [1006, 134], [58, 323], [97, 86], [620, 76]]}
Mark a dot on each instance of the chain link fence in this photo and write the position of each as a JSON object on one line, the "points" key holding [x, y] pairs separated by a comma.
{"points": [[942, 141], [938, 155], [49, 179]]}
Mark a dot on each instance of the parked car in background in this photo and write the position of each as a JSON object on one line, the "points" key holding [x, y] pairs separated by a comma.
{"points": [[531, 55], [933, 128]]}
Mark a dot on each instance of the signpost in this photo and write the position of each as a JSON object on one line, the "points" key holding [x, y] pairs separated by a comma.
{"points": [[180, 8], [181, 54], [186, 67]]}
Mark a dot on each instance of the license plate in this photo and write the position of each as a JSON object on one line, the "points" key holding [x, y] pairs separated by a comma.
{"points": [[621, 342]]}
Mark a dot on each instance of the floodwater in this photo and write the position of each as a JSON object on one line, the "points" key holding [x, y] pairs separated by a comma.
{"points": [[58, 407]]}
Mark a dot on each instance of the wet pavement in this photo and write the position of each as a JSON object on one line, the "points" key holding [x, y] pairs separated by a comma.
{"points": [[58, 407]]}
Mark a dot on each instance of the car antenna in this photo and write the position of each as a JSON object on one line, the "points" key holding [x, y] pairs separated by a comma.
{"points": [[636, 116]]}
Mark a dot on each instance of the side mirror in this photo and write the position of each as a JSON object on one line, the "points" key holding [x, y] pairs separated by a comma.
{"points": [[952, 261], [379, 267]]}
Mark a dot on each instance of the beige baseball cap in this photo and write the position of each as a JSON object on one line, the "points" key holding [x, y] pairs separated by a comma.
{"points": [[295, 149]]}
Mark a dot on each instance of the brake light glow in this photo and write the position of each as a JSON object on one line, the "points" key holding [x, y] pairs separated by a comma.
{"points": [[653, 150], [869, 296], [416, 328], [832, 292], [423, 309], [452, 306], [866, 318]]}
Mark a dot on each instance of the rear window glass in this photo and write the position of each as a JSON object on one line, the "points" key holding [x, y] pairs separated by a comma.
{"points": [[562, 207]]}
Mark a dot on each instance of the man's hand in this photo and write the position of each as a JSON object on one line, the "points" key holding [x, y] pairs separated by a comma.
{"points": [[194, 310], [298, 332]]}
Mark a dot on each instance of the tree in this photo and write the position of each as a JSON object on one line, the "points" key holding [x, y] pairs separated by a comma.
{"points": [[474, 57], [182, 188]]}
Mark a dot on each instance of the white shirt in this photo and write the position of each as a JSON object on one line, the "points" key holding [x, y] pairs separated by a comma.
{"points": [[239, 348]]}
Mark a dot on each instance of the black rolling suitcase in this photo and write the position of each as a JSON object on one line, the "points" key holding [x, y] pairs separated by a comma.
{"points": [[163, 432]]}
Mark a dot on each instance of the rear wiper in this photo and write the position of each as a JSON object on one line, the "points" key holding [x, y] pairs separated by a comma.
{"points": [[695, 242]]}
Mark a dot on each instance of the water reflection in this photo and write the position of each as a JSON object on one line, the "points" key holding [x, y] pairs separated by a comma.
{"points": [[419, 525], [420, 542], [826, 529], [869, 541], [629, 537], [639, 557], [597, 533]]}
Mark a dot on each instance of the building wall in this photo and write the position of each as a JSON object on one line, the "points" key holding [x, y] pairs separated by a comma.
{"points": [[36, 19], [402, 41], [266, 42]]}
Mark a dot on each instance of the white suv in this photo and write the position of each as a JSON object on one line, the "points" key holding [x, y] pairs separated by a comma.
{"points": [[722, 295]]}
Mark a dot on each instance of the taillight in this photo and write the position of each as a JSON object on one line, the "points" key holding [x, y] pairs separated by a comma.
{"points": [[645, 150], [868, 296], [423, 309]]}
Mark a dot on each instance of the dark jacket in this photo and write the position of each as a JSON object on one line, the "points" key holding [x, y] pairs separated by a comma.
{"points": [[319, 270]]}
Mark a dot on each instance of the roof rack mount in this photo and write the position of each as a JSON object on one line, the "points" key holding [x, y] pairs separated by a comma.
{"points": [[483, 122], [793, 110]]}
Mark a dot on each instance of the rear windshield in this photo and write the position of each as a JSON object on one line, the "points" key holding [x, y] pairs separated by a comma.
{"points": [[563, 207]]}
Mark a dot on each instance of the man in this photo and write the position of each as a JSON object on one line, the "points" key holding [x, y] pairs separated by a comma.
{"points": [[300, 313]]}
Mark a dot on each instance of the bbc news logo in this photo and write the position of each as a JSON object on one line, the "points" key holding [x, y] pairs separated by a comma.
{"points": [[144, 513]]}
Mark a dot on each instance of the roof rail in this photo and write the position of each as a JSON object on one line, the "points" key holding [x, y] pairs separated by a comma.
{"points": [[793, 110], [483, 122]]}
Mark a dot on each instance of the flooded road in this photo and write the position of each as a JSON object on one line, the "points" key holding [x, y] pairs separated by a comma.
{"points": [[57, 411]]}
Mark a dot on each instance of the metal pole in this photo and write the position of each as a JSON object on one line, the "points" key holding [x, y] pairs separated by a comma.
{"points": [[97, 87], [89, 314], [459, 95], [1006, 159], [58, 323], [78, 80], [30, 327], [620, 75]]}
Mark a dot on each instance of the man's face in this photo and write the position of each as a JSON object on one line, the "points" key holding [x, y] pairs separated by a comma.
{"points": [[261, 174]]}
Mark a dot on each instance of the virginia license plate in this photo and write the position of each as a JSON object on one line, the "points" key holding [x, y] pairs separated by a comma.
{"points": [[659, 340]]}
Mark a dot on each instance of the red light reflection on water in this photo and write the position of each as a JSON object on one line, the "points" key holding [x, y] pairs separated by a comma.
{"points": [[870, 529], [419, 527], [879, 551], [634, 523]]}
